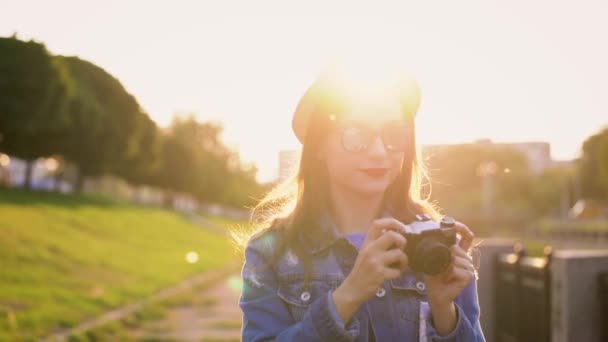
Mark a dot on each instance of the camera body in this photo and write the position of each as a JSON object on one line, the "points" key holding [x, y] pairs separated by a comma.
{"points": [[428, 244]]}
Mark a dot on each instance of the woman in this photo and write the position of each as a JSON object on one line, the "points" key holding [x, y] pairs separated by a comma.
{"points": [[329, 263]]}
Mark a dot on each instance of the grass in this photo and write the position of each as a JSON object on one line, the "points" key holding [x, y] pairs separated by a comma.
{"points": [[120, 330], [228, 325], [226, 222], [64, 259], [534, 248], [589, 226]]}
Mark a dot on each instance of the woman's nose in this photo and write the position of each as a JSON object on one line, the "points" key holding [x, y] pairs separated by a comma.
{"points": [[377, 147]]}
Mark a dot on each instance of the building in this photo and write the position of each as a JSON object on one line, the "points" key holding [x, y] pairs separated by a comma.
{"points": [[538, 154], [13, 170]]}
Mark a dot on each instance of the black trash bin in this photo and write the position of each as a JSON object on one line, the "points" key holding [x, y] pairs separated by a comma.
{"points": [[603, 295]]}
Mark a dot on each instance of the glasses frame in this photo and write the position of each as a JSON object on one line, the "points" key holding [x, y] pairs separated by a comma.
{"points": [[381, 133]]}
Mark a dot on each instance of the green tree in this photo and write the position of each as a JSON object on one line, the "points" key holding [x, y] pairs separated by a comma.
{"points": [[34, 92], [552, 190], [594, 166], [241, 188], [196, 161], [107, 123], [141, 166], [176, 169], [456, 176]]}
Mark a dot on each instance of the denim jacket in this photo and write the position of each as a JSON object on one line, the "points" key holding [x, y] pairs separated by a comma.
{"points": [[277, 307]]}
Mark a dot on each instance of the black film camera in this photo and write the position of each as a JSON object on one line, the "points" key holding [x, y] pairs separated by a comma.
{"points": [[428, 244]]}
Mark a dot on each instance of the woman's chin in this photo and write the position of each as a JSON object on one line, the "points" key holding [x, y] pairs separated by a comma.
{"points": [[371, 188]]}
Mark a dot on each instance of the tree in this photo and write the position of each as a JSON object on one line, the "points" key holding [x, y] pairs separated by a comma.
{"points": [[457, 173], [551, 191], [34, 92], [196, 161], [107, 123], [594, 166], [140, 167]]}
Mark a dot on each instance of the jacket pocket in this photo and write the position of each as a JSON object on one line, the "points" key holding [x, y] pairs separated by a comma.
{"points": [[298, 297]]}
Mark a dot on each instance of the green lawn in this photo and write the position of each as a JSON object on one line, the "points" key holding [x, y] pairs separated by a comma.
{"points": [[581, 225], [66, 258]]}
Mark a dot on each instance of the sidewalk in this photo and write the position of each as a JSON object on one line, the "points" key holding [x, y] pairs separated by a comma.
{"points": [[211, 315]]}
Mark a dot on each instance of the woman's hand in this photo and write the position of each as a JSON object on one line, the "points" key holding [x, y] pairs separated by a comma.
{"points": [[381, 258], [442, 289]]}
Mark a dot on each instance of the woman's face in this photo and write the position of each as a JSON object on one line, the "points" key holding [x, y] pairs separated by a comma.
{"points": [[364, 149]]}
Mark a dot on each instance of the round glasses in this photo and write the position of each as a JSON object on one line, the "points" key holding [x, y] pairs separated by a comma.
{"points": [[358, 138]]}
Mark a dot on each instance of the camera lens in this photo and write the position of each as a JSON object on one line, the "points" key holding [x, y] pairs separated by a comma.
{"points": [[433, 256]]}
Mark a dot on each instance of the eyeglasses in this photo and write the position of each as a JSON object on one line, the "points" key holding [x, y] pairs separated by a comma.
{"points": [[357, 137]]}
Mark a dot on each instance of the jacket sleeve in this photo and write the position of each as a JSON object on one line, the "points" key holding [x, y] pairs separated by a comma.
{"points": [[468, 328], [266, 316]]}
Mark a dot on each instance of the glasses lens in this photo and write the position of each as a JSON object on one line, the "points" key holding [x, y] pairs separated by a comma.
{"points": [[354, 139], [395, 137]]}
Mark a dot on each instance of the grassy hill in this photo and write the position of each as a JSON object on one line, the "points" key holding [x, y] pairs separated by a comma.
{"points": [[66, 258]]}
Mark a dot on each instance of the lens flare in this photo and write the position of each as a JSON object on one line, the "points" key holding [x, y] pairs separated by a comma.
{"points": [[5, 160], [191, 257]]}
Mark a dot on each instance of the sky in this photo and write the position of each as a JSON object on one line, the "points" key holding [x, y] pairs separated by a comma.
{"points": [[509, 71]]}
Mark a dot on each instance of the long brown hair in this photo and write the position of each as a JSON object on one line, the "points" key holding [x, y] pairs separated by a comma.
{"points": [[296, 203]]}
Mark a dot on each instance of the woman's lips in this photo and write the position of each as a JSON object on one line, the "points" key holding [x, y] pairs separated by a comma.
{"points": [[375, 172]]}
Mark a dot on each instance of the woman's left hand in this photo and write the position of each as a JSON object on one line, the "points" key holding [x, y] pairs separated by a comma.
{"points": [[442, 289]]}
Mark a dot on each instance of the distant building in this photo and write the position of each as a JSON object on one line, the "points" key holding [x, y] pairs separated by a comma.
{"points": [[537, 153], [12, 173], [288, 161]]}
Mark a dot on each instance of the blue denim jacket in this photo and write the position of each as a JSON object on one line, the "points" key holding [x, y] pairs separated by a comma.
{"points": [[277, 307]]}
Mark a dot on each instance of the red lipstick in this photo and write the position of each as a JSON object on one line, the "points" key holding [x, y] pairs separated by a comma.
{"points": [[375, 172]]}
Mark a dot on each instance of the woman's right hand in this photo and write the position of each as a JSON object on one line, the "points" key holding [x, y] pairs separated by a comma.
{"points": [[381, 257]]}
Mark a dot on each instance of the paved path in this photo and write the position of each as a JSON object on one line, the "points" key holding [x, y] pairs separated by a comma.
{"points": [[209, 315]]}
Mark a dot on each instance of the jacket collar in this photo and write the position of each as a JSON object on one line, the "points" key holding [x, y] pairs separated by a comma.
{"points": [[326, 232]]}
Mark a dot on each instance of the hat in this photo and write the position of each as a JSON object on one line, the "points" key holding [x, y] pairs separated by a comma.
{"points": [[327, 84]]}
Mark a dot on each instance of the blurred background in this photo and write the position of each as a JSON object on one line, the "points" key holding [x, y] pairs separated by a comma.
{"points": [[134, 135]]}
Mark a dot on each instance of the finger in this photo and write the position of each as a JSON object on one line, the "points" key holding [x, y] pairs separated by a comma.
{"points": [[388, 240], [463, 263], [383, 224], [448, 275], [391, 273], [395, 258], [457, 251], [466, 235], [462, 275]]}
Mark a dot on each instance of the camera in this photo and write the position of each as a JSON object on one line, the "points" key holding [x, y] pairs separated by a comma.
{"points": [[428, 244]]}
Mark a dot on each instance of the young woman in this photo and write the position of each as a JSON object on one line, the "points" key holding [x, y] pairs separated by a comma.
{"points": [[329, 263]]}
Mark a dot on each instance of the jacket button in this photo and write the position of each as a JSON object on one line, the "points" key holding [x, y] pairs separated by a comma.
{"points": [[305, 296], [420, 286], [381, 292]]}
